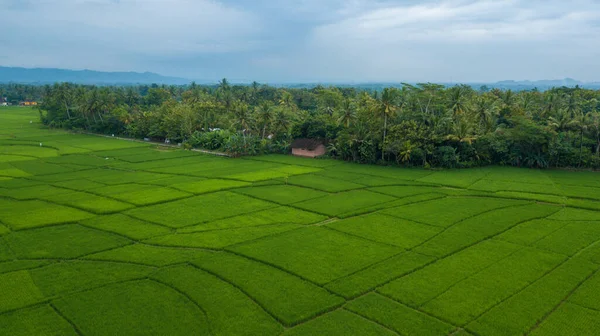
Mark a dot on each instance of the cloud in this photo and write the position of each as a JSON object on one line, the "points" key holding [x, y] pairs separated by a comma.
{"points": [[122, 29], [309, 40], [466, 40]]}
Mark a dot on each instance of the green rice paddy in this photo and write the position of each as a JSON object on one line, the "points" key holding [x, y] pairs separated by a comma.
{"points": [[101, 236]]}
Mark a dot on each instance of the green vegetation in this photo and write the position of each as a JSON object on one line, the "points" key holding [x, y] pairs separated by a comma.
{"points": [[102, 236]]}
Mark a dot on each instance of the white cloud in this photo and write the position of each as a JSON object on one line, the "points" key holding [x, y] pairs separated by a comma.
{"points": [[122, 29], [462, 39]]}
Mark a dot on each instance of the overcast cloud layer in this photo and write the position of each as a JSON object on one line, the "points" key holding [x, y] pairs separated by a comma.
{"points": [[309, 40]]}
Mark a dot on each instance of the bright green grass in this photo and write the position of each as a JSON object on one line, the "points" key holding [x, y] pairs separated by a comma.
{"points": [[520, 313], [148, 255], [126, 226], [323, 183], [530, 232], [398, 317], [18, 290], [513, 186], [285, 296], [65, 277], [199, 209], [447, 211], [30, 214], [378, 274], [386, 229], [456, 178], [220, 238], [570, 214], [40, 320], [570, 320], [294, 160], [229, 310], [475, 295], [318, 254], [89, 202], [339, 322], [61, 242], [483, 226], [282, 194], [133, 308], [588, 295], [345, 202], [570, 238], [208, 185], [18, 265], [419, 287], [142, 194], [280, 172], [276, 215]]}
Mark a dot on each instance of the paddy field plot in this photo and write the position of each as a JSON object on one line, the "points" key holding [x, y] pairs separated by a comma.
{"points": [[100, 236]]}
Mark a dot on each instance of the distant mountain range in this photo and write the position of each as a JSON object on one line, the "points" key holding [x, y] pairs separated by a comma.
{"points": [[50, 75]]}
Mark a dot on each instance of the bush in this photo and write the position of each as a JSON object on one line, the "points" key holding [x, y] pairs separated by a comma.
{"points": [[446, 157]]}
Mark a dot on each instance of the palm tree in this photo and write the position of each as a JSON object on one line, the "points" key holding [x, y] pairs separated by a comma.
{"points": [[458, 99], [282, 121], [264, 116], [462, 130], [581, 123], [484, 110], [242, 118], [387, 108], [347, 113], [594, 129]]}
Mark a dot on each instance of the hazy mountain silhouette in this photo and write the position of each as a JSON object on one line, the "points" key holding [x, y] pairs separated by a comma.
{"points": [[51, 75]]}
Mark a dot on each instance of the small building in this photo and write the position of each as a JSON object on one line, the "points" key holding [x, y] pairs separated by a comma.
{"points": [[28, 103], [3, 101], [308, 148]]}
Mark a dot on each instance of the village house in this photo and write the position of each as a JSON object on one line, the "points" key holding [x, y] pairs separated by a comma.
{"points": [[3, 101], [308, 148], [27, 103]]}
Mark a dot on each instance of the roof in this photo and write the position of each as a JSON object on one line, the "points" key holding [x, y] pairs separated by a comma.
{"points": [[310, 144]]}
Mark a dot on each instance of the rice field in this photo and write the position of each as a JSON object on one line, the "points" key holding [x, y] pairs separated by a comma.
{"points": [[101, 236]]}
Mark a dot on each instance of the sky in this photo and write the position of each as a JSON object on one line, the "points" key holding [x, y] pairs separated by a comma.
{"points": [[286, 41]]}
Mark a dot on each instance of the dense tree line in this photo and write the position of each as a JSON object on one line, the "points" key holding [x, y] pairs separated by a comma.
{"points": [[415, 125]]}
